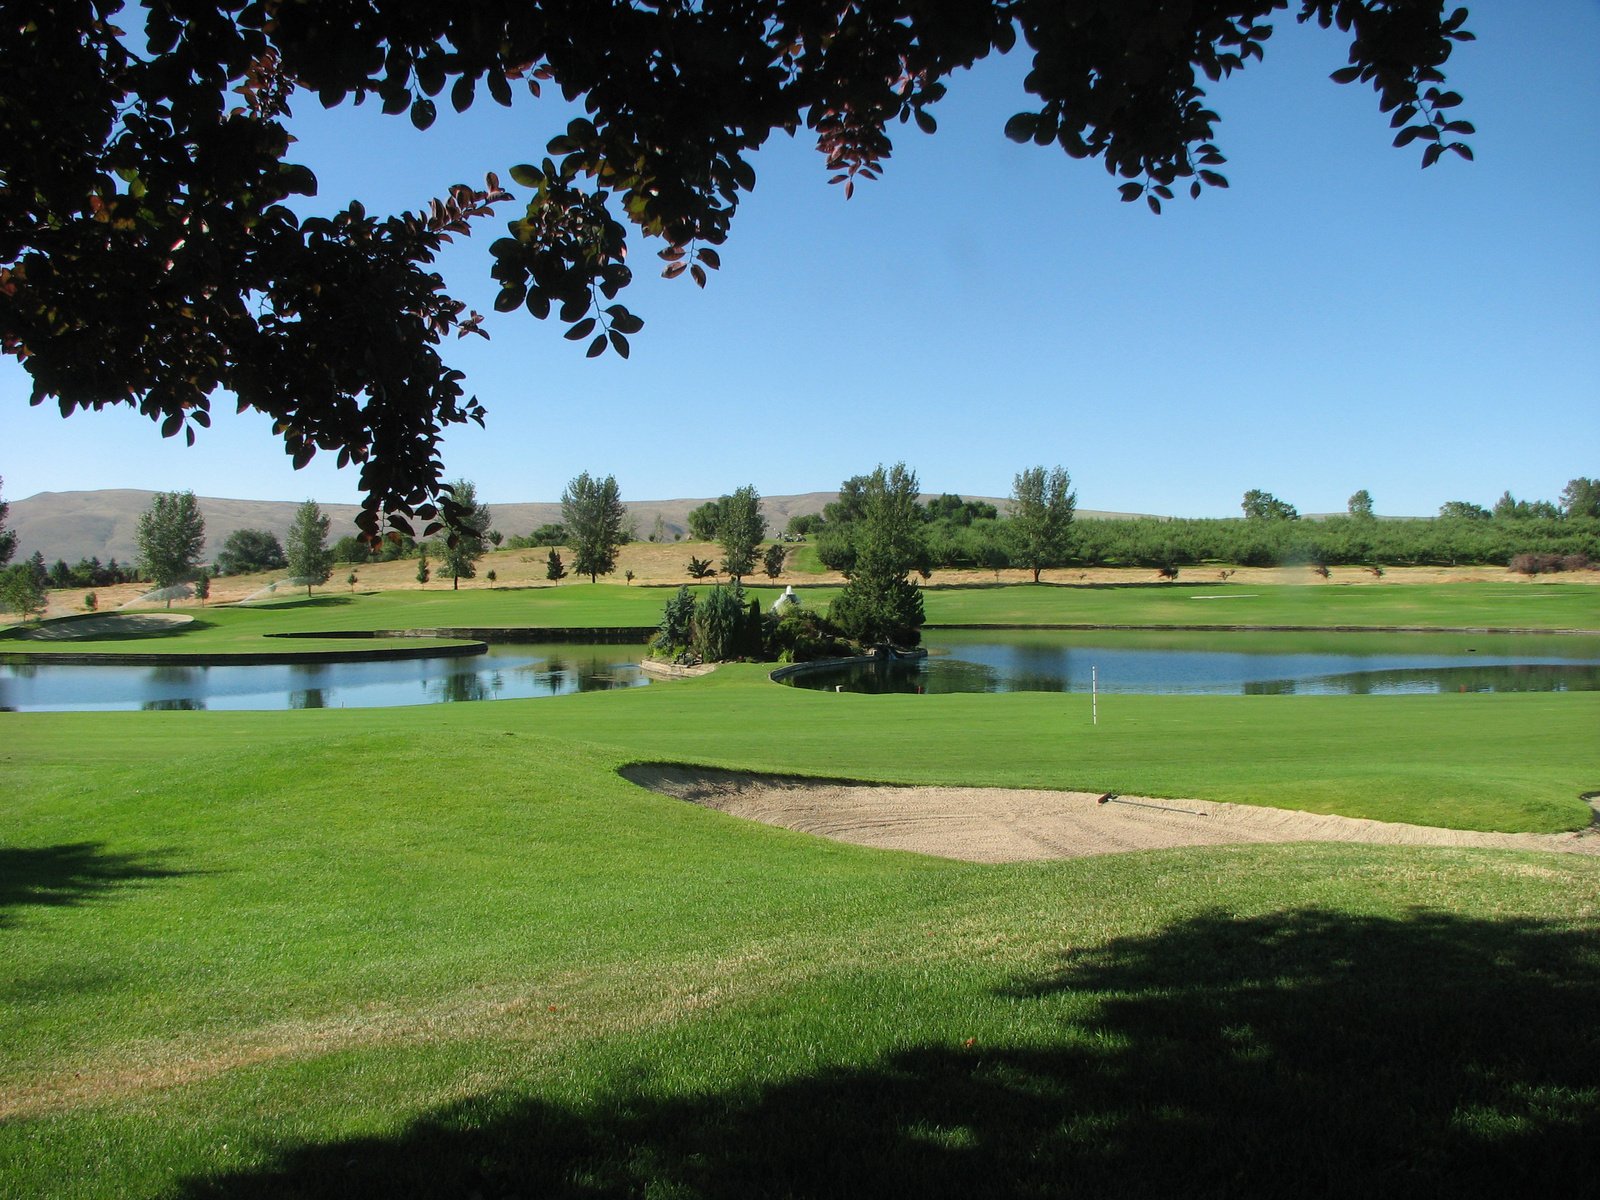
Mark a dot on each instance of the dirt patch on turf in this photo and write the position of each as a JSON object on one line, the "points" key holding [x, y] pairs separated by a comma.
{"points": [[112, 625], [998, 825]]}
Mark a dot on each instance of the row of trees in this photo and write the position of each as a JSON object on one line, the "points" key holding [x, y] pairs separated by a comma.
{"points": [[1580, 499], [1042, 531], [172, 533], [734, 522], [949, 531], [1335, 541], [85, 573], [876, 534], [1159, 542]]}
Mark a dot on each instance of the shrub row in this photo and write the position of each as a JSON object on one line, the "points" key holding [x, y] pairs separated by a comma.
{"points": [[1335, 541]]}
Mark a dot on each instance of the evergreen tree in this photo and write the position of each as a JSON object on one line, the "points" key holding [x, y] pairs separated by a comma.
{"points": [[880, 605], [772, 560], [307, 553], [677, 621], [719, 623], [554, 569]]}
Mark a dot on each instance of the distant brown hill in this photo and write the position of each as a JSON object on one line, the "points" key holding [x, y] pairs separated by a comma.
{"points": [[101, 524]]}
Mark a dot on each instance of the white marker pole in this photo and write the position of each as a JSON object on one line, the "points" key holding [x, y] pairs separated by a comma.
{"points": [[1094, 695]]}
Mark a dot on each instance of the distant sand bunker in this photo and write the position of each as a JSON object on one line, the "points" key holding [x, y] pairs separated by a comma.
{"points": [[111, 625], [995, 825]]}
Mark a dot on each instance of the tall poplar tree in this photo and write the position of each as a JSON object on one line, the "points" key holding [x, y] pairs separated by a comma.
{"points": [[1042, 507], [470, 531], [740, 530], [594, 516], [306, 550], [171, 535]]}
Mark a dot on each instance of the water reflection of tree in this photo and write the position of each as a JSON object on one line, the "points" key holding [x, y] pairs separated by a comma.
{"points": [[308, 698], [957, 675], [1268, 687], [580, 669], [463, 687], [170, 678], [1038, 666], [1514, 677], [555, 675]]}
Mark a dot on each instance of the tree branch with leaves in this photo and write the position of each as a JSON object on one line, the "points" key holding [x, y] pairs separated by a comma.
{"points": [[150, 255]]}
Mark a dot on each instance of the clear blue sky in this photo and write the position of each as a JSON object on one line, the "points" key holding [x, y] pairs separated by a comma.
{"points": [[1338, 319]]}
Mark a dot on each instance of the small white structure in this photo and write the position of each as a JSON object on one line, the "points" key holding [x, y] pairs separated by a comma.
{"points": [[786, 599]]}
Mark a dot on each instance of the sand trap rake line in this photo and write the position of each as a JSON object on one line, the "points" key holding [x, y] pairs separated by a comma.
{"points": [[1113, 798]]}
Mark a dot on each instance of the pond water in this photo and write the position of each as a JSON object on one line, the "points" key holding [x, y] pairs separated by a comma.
{"points": [[958, 661], [1225, 664], [506, 672]]}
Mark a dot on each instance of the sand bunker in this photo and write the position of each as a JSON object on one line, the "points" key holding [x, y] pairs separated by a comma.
{"points": [[995, 825], [112, 625]]}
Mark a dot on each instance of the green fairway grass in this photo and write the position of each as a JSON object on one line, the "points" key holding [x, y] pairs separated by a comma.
{"points": [[240, 629], [449, 951], [1474, 606]]}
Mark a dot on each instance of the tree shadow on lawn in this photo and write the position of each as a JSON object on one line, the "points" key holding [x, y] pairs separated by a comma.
{"points": [[290, 600], [69, 874], [1305, 1053], [117, 627]]}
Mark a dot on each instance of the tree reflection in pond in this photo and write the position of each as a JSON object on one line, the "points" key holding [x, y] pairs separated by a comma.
{"points": [[505, 672], [1226, 664]]}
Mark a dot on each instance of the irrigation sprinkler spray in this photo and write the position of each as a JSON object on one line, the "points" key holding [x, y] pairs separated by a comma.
{"points": [[1113, 798]]}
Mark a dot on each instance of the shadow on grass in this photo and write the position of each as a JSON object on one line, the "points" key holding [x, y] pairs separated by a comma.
{"points": [[1299, 1054], [291, 600], [114, 627], [69, 874], [1075, 585]]}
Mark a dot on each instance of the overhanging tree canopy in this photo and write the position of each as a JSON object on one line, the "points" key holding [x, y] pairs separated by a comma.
{"points": [[148, 257]]}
